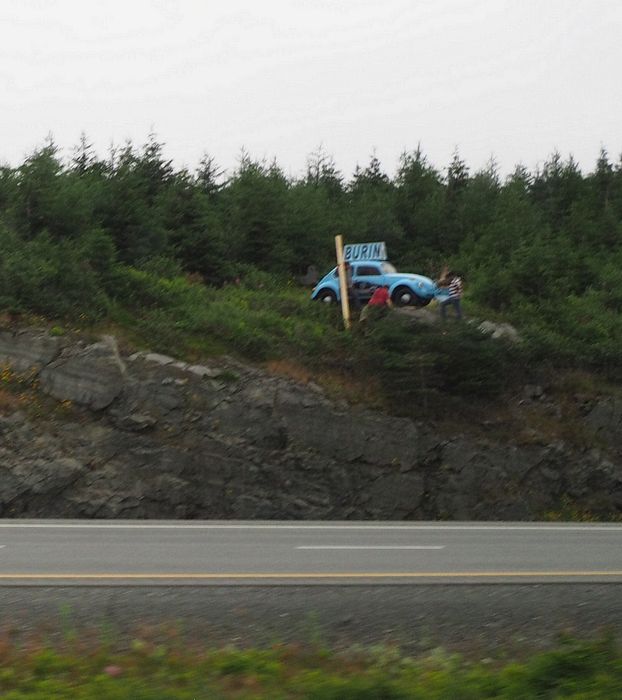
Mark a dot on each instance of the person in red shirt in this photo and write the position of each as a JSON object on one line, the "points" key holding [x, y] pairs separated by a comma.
{"points": [[378, 305], [380, 297]]}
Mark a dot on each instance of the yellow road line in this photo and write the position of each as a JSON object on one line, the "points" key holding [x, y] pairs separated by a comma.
{"points": [[302, 576]]}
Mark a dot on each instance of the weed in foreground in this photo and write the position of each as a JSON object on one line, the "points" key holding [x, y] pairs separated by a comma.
{"points": [[173, 670]]}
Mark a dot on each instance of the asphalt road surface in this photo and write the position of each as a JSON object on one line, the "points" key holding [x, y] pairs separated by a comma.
{"points": [[324, 553], [474, 588]]}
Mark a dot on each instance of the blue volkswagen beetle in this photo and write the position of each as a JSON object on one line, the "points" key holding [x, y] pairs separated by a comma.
{"points": [[405, 289]]}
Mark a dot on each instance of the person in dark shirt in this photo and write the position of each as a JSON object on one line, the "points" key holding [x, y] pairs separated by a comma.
{"points": [[353, 295]]}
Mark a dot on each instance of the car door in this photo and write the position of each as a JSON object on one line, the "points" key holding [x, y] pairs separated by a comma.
{"points": [[366, 277]]}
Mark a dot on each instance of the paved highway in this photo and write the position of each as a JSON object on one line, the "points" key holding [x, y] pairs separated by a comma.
{"points": [[324, 553]]}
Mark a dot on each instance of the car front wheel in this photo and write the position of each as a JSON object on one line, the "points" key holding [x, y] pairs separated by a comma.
{"points": [[403, 296], [420, 302], [327, 296]]}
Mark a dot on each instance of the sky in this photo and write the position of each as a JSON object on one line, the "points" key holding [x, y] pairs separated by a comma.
{"points": [[511, 79]]}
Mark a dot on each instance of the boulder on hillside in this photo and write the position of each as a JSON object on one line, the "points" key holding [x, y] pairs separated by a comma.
{"points": [[499, 330], [92, 376]]}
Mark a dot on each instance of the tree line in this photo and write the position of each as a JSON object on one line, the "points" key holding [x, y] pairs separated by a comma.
{"points": [[540, 248]]}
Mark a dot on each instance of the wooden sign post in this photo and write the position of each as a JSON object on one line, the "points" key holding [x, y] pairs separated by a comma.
{"points": [[343, 282]]}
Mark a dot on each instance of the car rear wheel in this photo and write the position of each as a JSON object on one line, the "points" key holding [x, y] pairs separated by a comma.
{"points": [[404, 296], [327, 296]]}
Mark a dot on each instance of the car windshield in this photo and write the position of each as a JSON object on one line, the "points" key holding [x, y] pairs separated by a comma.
{"points": [[386, 267]]}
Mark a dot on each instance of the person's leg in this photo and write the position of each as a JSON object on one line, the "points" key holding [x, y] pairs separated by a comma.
{"points": [[458, 309], [355, 302], [443, 310]]}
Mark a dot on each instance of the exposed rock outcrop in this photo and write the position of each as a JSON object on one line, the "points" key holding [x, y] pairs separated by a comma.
{"points": [[605, 419], [27, 350], [150, 436]]}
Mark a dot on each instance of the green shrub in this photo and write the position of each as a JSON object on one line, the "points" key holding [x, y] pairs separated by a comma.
{"points": [[49, 278], [141, 290], [416, 361]]}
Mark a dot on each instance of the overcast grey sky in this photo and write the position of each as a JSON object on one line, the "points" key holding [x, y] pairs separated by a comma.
{"points": [[513, 78]]}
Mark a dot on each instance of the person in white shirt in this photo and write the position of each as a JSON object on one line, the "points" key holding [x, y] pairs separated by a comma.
{"points": [[454, 295]]}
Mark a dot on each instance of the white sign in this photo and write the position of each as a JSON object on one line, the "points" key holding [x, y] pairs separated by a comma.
{"points": [[356, 252]]}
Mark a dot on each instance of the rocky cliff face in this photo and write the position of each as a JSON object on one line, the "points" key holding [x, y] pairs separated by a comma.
{"points": [[147, 436]]}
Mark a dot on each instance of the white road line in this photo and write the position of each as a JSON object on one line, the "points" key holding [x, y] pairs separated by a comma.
{"points": [[616, 529], [390, 546]]}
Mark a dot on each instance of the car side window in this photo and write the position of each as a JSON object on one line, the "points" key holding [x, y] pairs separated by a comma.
{"points": [[367, 270]]}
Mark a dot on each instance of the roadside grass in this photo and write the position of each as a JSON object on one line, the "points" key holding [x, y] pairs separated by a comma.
{"points": [[569, 511], [82, 669]]}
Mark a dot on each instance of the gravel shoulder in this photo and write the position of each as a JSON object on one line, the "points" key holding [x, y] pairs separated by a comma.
{"points": [[476, 620]]}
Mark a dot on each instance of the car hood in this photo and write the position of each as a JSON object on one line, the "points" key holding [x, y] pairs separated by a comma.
{"points": [[397, 276]]}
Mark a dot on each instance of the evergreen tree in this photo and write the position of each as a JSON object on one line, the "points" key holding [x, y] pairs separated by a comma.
{"points": [[153, 168], [372, 215], [454, 231], [195, 230], [603, 178], [209, 176], [420, 209], [255, 210], [323, 172], [127, 206], [84, 158]]}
